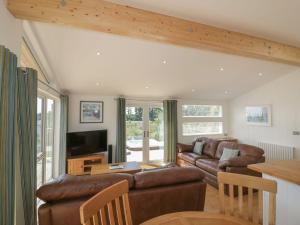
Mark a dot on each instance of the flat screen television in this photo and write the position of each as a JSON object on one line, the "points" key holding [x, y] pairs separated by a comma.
{"points": [[87, 142]]}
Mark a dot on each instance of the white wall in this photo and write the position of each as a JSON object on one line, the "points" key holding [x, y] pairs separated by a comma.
{"points": [[284, 96], [10, 29], [110, 115], [109, 119], [190, 139]]}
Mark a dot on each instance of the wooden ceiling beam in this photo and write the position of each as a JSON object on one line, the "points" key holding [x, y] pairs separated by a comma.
{"points": [[117, 19]]}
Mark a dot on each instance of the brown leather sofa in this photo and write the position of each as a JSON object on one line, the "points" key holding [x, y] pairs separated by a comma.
{"points": [[152, 193], [209, 162]]}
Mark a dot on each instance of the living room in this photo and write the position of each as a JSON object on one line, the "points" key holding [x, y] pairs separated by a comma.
{"points": [[155, 82]]}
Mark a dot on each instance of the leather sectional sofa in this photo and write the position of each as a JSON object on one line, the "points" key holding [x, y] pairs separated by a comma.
{"points": [[151, 194], [209, 162]]}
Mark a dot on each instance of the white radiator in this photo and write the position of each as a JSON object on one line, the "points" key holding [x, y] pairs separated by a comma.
{"points": [[277, 152]]}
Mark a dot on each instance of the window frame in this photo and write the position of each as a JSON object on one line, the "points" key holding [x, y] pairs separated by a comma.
{"points": [[191, 119], [42, 156]]}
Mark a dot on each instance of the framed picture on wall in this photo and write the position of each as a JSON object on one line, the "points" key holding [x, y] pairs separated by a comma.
{"points": [[259, 115], [91, 112]]}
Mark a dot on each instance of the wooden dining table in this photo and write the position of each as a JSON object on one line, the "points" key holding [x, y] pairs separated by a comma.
{"points": [[196, 218]]}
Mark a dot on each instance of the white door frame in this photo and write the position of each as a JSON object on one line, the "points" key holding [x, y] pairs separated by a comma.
{"points": [[145, 105]]}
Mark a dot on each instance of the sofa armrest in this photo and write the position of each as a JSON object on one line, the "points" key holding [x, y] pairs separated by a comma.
{"points": [[184, 148], [240, 161]]}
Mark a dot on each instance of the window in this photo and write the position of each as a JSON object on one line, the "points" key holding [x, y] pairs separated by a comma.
{"points": [[200, 128], [202, 111], [45, 139], [202, 120]]}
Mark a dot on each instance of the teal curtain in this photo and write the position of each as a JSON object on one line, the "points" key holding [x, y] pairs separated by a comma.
{"points": [[64, 105], [120, 153], [170, 124], [8, 76], [26, 108]]}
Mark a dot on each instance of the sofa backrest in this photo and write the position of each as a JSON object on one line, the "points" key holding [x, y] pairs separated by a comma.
{"points": [[167, 177], [68, 187], [210, 146], [245, 150]]}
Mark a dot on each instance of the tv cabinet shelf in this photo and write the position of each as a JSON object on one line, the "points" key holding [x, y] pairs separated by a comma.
{"points": [[82, 165]]}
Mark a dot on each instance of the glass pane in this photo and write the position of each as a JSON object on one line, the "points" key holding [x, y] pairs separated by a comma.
{"points": [[156, 134], [134, 134], [198, 128], [39, 173], [39, 125], [202, 111], [49, 138]]}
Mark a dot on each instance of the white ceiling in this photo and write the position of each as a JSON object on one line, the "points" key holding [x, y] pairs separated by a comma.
{"points": [[127, 66]]}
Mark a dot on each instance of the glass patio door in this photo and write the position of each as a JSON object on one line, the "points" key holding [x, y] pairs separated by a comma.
{"points": [[144, 132], [45, 139]]}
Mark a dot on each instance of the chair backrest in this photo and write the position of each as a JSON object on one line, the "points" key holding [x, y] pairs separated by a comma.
{"points": [[247, 183], [108, 207]]}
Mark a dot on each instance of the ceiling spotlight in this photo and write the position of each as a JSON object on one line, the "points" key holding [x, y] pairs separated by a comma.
{"points": [[260, 74], [147, 87], [98, 53], [97, 84], [193, 90], [226, 92], [221, 69], [164, 62]]}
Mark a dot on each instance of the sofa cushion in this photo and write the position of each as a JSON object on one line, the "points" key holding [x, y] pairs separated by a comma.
{"points": [[210, 146], [198, 147], [229, 154], [166, 177], [209, 165], [225, 144], [191, 157], [69, 187]]}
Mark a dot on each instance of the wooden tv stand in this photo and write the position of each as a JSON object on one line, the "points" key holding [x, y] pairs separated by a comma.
{"points": [[82, 165]]}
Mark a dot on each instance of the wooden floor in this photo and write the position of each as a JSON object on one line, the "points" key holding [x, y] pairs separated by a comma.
{"points": [[212, 202]]}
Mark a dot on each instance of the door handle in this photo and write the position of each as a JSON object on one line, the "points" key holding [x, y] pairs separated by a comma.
{"points": [[146, 134]]}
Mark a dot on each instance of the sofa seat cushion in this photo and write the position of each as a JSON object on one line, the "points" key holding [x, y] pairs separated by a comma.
{"points": [[191, 157], [167, 177], [209, 165], [69, 187]]}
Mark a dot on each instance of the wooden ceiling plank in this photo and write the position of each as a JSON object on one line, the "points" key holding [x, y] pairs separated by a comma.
{"points": [[117, 19]]}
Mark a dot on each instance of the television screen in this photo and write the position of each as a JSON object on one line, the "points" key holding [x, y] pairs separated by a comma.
{"points": [[87, 142]]}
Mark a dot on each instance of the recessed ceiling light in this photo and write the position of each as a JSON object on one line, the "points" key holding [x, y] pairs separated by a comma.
{"points": [[260, 74], [226, 92], [98, 53], [164, 62], [221, 69], [193, 90], [97, 84], [147, 87]]}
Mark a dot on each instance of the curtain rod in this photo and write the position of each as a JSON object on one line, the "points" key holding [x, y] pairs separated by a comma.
{"points": [[52, 88], [36, 61], [146, 100], [44, 83]]}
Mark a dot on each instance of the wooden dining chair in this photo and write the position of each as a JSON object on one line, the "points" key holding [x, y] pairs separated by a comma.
{"points": [[108, 207], [249, 184]]}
